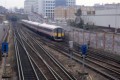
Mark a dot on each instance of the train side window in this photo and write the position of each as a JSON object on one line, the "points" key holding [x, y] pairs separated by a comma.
{"points": [[48, 30]]}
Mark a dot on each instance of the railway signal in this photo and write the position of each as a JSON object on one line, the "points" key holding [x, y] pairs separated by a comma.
{"points": [[4, 53], [84, 49], [4, 48]]}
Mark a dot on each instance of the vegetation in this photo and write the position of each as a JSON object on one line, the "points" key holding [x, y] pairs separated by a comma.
{"points": [[78, 13], [71, 22], [78, 22]]}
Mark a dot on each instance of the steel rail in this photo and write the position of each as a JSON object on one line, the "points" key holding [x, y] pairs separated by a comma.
{"points": [[35, 51], [25, 73], [53, 59], [46, 62], [91, 67], [79, 58], [17, 57]]}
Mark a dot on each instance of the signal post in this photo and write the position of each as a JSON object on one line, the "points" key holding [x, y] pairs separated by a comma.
{"points": [[84, 49], [4, 54]]}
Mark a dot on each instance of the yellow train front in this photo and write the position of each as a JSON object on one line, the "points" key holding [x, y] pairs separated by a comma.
{"points": [[58, 34]]}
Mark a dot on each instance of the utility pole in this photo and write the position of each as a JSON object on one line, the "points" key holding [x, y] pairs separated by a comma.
{"points": [[71, 48], [116, 19]]}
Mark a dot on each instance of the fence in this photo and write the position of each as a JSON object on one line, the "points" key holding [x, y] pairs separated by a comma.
{"points": [[97, 40]]}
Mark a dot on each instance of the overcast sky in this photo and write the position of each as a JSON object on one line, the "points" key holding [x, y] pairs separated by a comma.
{"points": [[20, 3]]}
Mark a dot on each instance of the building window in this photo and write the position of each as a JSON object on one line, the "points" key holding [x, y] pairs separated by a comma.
{"points": [[90, 12]]}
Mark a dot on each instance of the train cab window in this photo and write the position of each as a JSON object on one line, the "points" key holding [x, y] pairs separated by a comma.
{"points": [[59, 32]]}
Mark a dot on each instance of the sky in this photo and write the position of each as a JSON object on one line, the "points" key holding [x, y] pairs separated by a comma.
{"points": [[20, 3]]}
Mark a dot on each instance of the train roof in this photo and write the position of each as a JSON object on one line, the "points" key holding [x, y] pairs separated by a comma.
{"points": [[31, 22], [49, 26], [42, 24]]}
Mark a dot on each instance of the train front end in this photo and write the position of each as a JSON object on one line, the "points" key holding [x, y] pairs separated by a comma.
{"points": [[58, 34]]}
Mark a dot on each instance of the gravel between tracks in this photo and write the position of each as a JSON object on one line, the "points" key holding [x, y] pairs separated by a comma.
{"points": [[73, 67]]}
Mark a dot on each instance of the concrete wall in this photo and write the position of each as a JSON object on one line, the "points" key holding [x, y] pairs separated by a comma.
{"points": [[104, 18], [97, 40]]}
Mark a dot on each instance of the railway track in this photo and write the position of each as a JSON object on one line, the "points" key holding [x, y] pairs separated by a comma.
{"points": [[91, 54], [98, 66], [37, 52], [105, 68], [40, 62], [26, 70]]}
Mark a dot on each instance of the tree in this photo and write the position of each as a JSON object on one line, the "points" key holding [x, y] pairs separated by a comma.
{"points": [[78, 13], [79, 22]]}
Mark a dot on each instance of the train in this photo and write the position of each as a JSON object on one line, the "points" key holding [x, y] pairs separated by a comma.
{"points": [[50, 31]]}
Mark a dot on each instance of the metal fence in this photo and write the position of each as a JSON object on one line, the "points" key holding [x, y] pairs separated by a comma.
{"points": [[97, 40]]}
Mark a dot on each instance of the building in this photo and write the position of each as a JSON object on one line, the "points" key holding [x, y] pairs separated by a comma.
{"points": [[65, 13], [39, 8], [107, 15], [16, 10], [68, 13], [29, 6], [64, 10], [65, 3], [105, 18], [106, 6], [46, 7], [60, 13], [60, 3], [3, 10], [49, 6], [70, 2], [43, 7]]}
